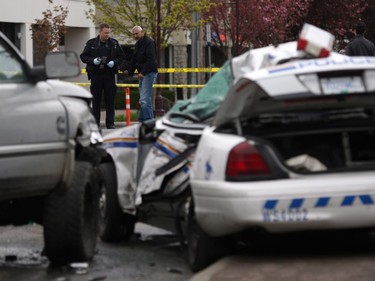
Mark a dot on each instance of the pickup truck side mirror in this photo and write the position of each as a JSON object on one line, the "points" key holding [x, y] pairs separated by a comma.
{"points": [[62, 65], [57, 65]]}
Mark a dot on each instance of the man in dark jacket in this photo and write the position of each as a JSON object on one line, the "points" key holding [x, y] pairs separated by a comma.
{"points": [[144, 61], [102, 56], [360, 46]]}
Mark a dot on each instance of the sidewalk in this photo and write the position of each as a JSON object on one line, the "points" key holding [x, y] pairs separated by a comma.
{"points": [[226, 269], [118, 112], [341, 258]]}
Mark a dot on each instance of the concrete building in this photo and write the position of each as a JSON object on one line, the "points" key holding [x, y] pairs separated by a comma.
{"points": [[17, 16]]}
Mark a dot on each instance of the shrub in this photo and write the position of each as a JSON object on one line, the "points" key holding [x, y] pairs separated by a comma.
{"points": [[168, 98]]}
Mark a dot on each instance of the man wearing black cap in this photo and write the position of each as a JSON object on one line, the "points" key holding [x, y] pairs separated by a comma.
{"points": [[360, 46]]}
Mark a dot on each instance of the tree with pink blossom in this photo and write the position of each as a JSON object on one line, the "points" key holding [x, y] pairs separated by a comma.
{"points": [[245, 24]]}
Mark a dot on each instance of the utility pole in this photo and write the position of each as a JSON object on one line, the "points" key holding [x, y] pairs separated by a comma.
{"points": [[208, 39], [159, 110], [237, 39], [194, 53]]}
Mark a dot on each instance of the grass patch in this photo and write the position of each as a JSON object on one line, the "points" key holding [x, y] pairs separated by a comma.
{"points": [[122, 118]]}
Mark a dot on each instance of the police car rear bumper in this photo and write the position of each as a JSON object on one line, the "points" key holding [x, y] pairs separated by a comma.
{"points": [[334, 201]]}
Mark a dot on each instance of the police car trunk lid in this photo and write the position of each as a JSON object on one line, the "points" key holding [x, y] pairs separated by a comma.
{"points": [[317, 115]]}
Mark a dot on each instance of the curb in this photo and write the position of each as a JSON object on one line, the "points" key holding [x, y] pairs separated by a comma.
{"points": [[209, 272]]}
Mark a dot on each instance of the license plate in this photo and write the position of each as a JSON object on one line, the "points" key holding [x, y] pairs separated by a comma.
{"points": [[288, 215], [342, 85]]}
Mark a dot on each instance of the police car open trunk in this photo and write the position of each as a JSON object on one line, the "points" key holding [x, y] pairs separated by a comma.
{"points": [[305, 123], [310, 141]]}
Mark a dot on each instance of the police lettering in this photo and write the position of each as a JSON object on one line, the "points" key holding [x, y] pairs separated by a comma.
{"points": [[336, 61]]}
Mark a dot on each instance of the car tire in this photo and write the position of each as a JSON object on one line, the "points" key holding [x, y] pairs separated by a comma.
{"points": [[202, 249], [114, 225], [71, 218]]}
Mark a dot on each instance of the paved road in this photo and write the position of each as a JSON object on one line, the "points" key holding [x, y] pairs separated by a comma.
{"points": [[151, 255]]}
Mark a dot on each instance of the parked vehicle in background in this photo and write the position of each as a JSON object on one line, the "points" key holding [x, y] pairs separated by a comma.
{"points": [[49, 153], [280, 139]]}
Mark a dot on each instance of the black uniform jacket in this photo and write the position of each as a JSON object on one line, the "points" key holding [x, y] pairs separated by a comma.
{"points": [[94, 49]]}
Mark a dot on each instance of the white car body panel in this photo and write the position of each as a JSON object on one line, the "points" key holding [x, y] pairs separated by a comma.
{"points": [[123, 147], [331, 201]]}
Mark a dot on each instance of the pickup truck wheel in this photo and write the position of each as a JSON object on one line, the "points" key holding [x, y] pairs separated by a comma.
{"points": [[202, 250], [71, 218], [114, 225]]}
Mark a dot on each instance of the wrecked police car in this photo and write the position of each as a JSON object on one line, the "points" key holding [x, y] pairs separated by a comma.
{"points": [[280, 139]]}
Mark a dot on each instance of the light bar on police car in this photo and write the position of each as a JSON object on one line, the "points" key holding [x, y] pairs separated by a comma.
{"points": [[315, 41]]}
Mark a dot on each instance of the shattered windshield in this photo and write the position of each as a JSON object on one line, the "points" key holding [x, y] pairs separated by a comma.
{"points": [[209, 98]]}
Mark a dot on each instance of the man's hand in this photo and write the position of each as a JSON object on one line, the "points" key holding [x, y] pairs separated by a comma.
{"points": [[111, 64], [96, 61], [140, 76]]}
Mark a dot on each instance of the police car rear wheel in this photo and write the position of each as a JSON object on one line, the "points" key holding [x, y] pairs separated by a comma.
{"points": [[202, 250]]}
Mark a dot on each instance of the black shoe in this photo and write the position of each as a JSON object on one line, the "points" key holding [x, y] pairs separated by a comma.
{"points": [[111, 127]]}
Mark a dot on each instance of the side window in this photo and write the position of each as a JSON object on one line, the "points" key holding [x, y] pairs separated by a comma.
{"points": [[10, 68]]}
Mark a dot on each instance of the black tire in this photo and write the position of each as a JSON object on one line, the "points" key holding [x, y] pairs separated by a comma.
{"points": [[114, 225], [203, 250], [71, 218], [181, 221]]}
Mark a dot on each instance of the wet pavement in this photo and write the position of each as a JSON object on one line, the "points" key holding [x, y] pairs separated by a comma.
{"points": [[152, 254]]}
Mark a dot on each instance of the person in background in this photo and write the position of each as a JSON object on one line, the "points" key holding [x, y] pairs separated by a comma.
{"points": [[103, 55], [360, 46], [145, 62]]}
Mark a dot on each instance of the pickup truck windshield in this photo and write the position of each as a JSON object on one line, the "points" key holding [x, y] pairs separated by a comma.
{"points": [[10, 67]]}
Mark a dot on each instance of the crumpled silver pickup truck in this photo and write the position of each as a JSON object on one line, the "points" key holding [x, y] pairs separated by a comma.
{"points": [[49, 153]]}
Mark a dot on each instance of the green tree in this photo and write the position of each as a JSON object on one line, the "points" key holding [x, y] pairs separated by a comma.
{"points": [[48, 31], [121, 15]]}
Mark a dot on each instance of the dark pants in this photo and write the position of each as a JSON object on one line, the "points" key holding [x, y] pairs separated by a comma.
{"points": [[103, 83]]}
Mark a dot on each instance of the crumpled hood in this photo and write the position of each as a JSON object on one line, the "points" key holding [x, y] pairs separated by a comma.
{"points": [[63, 88]]}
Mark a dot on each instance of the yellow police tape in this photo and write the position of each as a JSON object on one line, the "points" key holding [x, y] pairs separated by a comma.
{"points": [[154, 86], [197, 69], [179, 70]]}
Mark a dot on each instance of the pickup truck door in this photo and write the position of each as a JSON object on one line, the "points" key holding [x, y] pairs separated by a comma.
{"points": [[33, 142]]}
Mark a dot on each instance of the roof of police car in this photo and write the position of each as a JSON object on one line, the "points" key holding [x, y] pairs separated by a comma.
{"points": [[276, 81]]}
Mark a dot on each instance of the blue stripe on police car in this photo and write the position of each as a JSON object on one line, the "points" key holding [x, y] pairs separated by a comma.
{"points": [[322, 202]]}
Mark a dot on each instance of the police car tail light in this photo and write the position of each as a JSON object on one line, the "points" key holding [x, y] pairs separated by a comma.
{"points": [[245, 160], [315, 41]]}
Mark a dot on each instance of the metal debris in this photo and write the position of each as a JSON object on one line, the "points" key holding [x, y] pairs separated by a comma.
{"points": [[174, 270]]}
